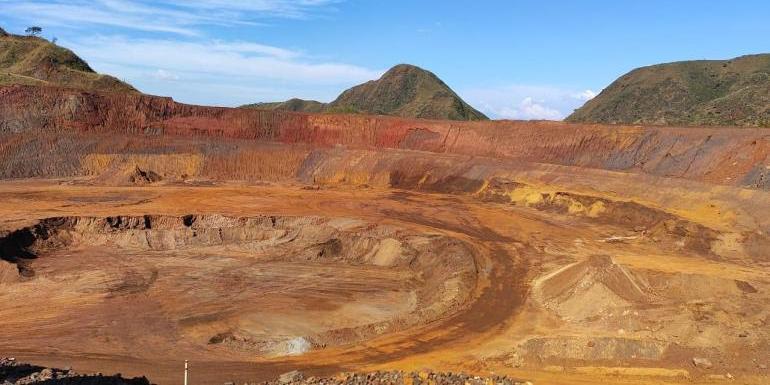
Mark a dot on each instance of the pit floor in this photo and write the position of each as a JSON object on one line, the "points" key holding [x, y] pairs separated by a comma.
{"points": [[516, 245]]}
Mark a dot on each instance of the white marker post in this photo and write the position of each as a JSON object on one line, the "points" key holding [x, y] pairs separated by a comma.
{"points": [[185, 372]]}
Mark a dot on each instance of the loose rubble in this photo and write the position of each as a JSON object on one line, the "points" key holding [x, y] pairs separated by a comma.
{"points": [[13, 372], [394, 378]]}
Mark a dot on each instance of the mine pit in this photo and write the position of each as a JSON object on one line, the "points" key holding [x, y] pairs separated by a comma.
{"points": [[253, 286]]}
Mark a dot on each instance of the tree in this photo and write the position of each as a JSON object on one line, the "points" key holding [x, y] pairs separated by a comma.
{"points": [[33, 30]]}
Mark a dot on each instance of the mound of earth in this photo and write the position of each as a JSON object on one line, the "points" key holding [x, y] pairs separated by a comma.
{"points": [[404, 90], [17, 373], [733, 92], [140, 177], [642, 316], [591, 287], [32, 60]]}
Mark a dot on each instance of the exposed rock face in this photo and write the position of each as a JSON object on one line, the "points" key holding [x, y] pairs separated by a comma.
{"points": [[35, 61], [733, 92], [405, 90], [68, 133], [16, 373]]}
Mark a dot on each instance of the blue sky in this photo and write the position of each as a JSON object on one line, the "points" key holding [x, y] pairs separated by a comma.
{"points": [[510, 59]]}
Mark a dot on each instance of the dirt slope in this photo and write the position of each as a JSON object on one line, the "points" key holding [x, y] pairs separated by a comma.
{"points": [[405, 90], [733, 92], [35, 61]]}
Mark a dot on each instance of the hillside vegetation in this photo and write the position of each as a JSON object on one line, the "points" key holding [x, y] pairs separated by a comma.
{"points": [[32, 60], [296, 105], [733, 92], [404, 90]]}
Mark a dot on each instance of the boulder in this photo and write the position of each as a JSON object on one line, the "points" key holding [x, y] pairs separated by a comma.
{"points": [[703, 363], [290, 377]]}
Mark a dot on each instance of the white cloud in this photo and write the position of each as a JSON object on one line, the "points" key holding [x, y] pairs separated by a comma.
{"points": [[168, 16], [80, 15], [161, 47], [162, 74], [527, 102], [228, 60], [218, 72], [585, 95], [254, 48], [275, 8], [528, 109]]}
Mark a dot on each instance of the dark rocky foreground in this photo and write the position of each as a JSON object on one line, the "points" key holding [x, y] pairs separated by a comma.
{"points": [[17, 373], [393, 378]]}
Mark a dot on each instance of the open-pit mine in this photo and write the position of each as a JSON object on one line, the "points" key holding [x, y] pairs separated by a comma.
{"points": [[137, 233]]}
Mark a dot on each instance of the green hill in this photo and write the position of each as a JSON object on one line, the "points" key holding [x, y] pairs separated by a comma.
{"points": [[405, 90], [732, 92], [36, 61], [296, 105], [408, 91]]}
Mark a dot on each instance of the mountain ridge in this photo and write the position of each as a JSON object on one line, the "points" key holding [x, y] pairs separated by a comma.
{"points": [[404, 90], [293, 104], [31, 60], [732, 92]]}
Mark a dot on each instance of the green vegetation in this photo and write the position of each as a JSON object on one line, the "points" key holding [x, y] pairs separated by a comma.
{"points": [[33, 31], [35, 61], [732, 92], [405, 90], [296, 105], [408, 91]]}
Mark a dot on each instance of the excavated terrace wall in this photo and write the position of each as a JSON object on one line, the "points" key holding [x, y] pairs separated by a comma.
{"points": [[40, 118]]}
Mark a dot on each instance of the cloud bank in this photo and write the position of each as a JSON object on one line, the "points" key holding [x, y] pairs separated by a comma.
{"points": [[218, 72], [527, 102], [167, 16], [163, 47]]}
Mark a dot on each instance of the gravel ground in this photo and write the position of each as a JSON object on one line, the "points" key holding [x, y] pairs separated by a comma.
{"points": [[393, 378]]}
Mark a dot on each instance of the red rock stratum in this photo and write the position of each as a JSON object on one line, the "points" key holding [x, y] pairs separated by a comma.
{"points": [[729, 156]]}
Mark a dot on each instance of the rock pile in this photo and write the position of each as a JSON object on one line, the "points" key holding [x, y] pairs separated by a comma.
{"points": [[17, 373], [142, 177], [394, 378]]}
